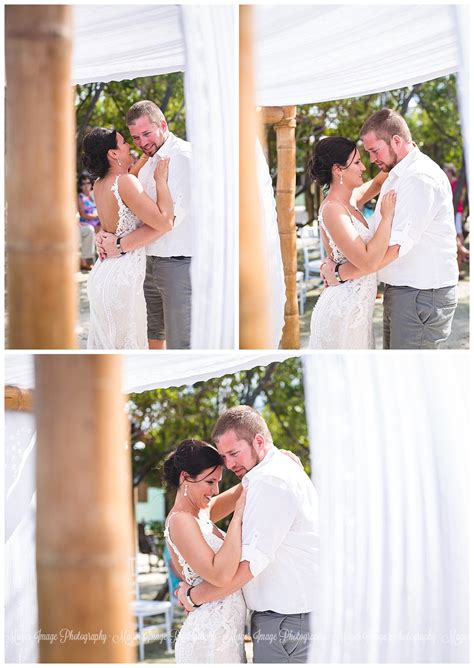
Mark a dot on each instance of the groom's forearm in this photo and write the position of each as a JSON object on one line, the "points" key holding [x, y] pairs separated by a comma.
{"points": [[348, 271], [205, 592], [139, 237]]}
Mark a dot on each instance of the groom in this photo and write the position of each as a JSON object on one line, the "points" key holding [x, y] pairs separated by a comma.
{"points": [[420, 269], [280, 540], [167, 285]]}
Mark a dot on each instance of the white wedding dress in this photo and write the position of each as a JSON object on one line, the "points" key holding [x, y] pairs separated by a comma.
{"points": [[118, 317], [214, 632], [342, 317]]}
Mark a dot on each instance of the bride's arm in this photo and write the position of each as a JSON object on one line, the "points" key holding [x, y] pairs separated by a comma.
{"points": [[218, 568], [366, 257], [205, 592], [348, 271], [369, 190], [223, 504]]}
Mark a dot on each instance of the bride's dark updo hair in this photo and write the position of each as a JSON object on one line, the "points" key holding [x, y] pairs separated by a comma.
{"points": [[328, 152], [95, 145], [191, 456]]}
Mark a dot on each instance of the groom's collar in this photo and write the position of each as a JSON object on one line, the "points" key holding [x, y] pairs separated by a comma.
{"points": [[256, 469], [405, 162], [165, 147]]}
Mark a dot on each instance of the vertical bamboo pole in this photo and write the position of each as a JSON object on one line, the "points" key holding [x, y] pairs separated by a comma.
{"points": [[285, 198], [84, 517], [40, 156], [254, 293]]}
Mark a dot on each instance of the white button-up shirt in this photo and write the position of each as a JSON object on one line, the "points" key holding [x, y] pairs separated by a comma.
{"points": [[423, 225], [280, 536], [179, 240]]}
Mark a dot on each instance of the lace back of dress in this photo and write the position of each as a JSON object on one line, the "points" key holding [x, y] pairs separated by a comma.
{"points": [[337, 256], [127, 220]]}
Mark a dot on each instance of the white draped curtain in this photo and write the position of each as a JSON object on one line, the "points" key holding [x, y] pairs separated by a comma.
{"points": [[272, 249], [125, 42], [389, 437]]}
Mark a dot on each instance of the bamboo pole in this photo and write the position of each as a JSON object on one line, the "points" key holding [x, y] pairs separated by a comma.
{"points": [[40, 158], [17, 399], [84, 517], [254, 292], [285, 198]]}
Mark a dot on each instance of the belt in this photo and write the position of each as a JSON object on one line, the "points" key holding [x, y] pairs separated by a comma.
{"points": [[180, 257]]}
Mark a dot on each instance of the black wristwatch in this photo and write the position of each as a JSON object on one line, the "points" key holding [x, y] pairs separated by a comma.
{"points": [[338, 275], [119, 247]]}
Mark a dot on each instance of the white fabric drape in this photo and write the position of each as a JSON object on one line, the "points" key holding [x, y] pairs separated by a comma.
{"points": [[210, 119], [146, 372], [21, 610], [388, 437], [115, 42], [314, 53], [463, 24], [271, 240]]}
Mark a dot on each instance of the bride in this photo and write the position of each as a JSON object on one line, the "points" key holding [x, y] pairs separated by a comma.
{"points": [[214, 633], [118, 317], [342, 317]]}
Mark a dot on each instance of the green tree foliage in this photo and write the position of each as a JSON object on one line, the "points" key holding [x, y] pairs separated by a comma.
{"points": [[106, 104], [160, 419]]}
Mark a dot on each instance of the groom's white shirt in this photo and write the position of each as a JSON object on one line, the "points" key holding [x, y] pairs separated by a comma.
{"points": [[179, 240], [423, 225], [280, 536]]}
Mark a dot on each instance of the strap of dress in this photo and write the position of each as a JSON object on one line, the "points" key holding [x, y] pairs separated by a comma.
{"points": [[115, 190]]}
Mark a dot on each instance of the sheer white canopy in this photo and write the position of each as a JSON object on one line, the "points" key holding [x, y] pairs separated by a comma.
{"points": [[115, 42], [313, 53]]}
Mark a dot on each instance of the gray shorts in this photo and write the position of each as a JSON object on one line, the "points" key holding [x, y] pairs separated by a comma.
{"points": [[167, 289], [417, 319], [278, 638]]}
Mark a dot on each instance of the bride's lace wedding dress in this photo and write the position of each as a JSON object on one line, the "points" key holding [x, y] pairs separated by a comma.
{"points": [[118, 317], [342, 317], [214, 632]]}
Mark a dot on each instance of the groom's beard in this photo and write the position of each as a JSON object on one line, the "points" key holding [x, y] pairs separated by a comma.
{"points": [[387, 166]]}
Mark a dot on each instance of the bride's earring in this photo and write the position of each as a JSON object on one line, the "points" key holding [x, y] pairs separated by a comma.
{"points": [[120, 164], [186, 489], [340, 179]]}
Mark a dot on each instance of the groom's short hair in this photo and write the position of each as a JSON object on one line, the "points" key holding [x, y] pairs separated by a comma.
{"points": [[245, 421], [145, 108], [385, 124]]}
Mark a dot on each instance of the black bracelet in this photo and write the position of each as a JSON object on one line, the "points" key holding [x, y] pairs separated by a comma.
{"points": [[188, 596], [338, 275], [119, 246]]}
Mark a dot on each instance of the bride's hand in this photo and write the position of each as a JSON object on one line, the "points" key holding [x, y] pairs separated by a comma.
{"points": [[292, 456], [240, 505], [387, 207], [161, 170]]}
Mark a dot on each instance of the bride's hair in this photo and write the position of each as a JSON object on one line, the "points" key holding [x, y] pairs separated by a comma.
{"points": [[329, 151], [191, 456], [95, 145]]}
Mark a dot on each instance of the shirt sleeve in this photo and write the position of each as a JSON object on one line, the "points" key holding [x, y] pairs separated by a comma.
{"points": [[416, 197], [180, 174], [270, 510]]}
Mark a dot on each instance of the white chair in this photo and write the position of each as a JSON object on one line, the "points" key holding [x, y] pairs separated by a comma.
{"points": [[301, 287], [144, 609], [313, 252]]}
